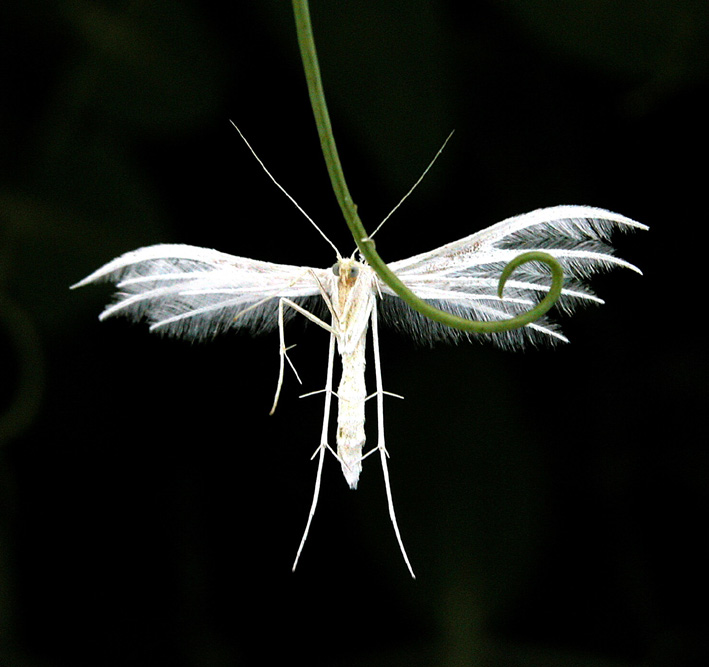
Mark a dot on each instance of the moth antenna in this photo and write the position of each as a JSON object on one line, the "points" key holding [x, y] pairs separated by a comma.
{"points": [[413, 187], [283, 190]]}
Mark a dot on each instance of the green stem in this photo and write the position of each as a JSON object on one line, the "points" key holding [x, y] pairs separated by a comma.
{"points": [[365, 244]]}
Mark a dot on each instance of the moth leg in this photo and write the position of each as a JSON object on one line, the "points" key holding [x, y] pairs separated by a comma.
{"points": [[386, 393], [380, 442], [282, 302], [323, 445]]}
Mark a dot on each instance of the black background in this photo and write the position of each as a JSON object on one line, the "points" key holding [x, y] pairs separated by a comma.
{"points": [[553, 502]]}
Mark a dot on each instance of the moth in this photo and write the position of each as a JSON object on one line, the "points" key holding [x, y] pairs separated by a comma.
{"points": [[195, 293]]}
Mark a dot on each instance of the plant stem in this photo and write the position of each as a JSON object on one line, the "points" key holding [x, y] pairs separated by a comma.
{"points": [[364, 243]]}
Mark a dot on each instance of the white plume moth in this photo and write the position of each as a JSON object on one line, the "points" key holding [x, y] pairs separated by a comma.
{"points": [[193, 293]]}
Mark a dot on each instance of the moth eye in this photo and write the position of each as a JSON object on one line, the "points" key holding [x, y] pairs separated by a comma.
{"points": [[336, 268], [354, 271]]}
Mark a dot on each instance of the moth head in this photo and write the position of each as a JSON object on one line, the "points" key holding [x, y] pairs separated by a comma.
{"points": [[346, 270]]}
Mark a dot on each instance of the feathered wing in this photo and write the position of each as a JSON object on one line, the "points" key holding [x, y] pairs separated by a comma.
{"points": [[461, 277], [196, 292]]}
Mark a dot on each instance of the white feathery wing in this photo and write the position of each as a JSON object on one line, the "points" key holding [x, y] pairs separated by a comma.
{"points": [[196, 293], [462, 277]]}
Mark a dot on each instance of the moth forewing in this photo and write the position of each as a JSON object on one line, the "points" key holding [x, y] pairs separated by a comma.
{"points": [[462, 276]]}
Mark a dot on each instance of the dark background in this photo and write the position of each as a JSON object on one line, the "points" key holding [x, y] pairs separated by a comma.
{"points": [[553, 502]]}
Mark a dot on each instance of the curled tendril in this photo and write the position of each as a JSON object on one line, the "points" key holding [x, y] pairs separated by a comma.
{"points": [[365, 245], [552, 296]]}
